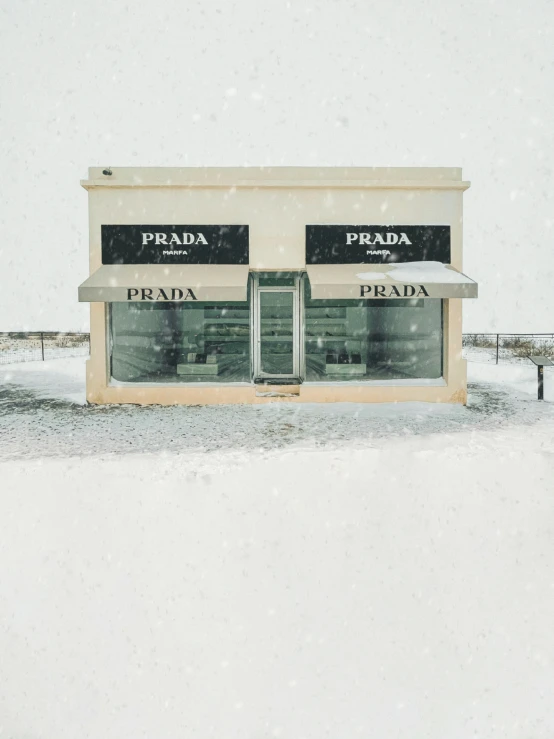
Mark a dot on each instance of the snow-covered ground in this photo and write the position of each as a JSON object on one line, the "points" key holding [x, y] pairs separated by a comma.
{"points": [[277, 571]]}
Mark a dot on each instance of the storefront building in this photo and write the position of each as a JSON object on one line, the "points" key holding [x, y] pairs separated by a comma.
{"points": [[251, 285]]}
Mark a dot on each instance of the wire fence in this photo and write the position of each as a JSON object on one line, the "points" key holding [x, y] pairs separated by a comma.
{"points": [[485, 348], [36, 346], [507, 348]]}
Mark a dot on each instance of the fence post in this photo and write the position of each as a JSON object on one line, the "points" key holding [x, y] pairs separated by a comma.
{"points": [[42, 344], [497, 343]]}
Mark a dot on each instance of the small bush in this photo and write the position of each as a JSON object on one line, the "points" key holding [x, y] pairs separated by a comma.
{"points": [[484, 341], [525, 347]]}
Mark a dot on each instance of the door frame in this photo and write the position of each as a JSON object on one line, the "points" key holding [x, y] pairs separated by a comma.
{"points": [[297, 329]]}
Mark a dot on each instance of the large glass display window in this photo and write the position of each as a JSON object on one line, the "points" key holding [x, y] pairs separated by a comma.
{"points": [[169, 343], [357, 340]]}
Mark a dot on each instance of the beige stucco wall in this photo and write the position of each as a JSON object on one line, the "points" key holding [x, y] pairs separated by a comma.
{"points": [[277, 204]]}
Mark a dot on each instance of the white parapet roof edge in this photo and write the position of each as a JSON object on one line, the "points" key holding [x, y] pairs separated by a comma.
{"points": [[412, 178]]}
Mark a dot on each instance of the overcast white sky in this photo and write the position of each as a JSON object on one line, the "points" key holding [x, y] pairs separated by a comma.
{"points": [[259, 82]]}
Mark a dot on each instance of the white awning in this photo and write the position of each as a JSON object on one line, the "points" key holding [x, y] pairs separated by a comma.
{"points": [[114, 283], [401, 280]]}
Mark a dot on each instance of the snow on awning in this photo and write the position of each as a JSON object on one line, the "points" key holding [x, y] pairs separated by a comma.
{"points": [[401, 280], [114, 283]]}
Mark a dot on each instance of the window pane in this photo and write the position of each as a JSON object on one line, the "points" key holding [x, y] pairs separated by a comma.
{"points": [[180, 342], [276, 340], [353, 340]]}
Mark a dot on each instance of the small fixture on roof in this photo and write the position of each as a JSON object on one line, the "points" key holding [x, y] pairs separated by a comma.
{"points": [[107, 172]]}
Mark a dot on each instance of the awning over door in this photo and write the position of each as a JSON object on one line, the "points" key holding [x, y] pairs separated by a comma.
{"points": [[161, 282], [400, 280]]}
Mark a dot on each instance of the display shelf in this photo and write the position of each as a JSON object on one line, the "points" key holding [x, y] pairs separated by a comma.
{"points": [[346, 370], [227, 320], [330, 338], [325, 320], [186, 368], [210, 338], [226, 327], [316, 311], [275, 338], [325, 327]]}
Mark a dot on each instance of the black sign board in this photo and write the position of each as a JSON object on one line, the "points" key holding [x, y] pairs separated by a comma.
{"points": [[155, 244], [541, 361], [377, 244]]}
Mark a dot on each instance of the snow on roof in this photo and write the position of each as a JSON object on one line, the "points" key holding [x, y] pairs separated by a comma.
{"points": [[417, 272]]}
